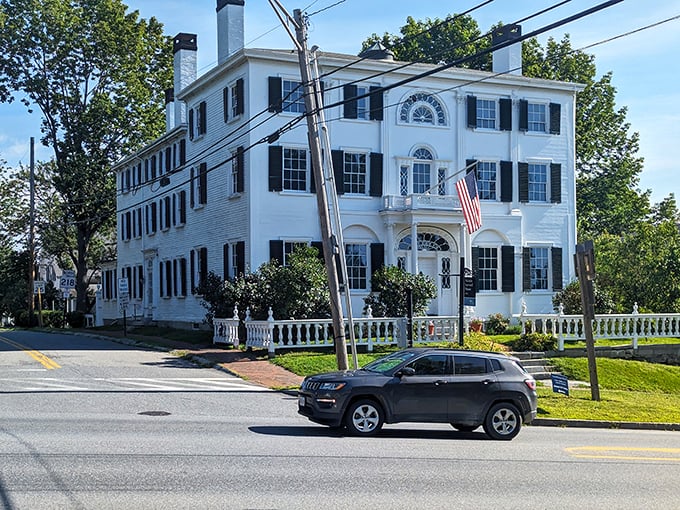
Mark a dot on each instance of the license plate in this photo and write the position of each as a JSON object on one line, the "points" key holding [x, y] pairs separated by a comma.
{"points": [[301, 401]]}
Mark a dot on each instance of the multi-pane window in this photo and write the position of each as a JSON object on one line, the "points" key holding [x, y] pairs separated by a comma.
{"points": [[235, 105], [446, 273], [422, 171], [403, 181], [294, 169], [292, 96], [441, 181], [486, 180], [422, 108], [234, 171], [166, 212], [486, 113], [289, 248], [355, 173], [487, 275], [538, 182], [363, 104], [179, 284], [536, 117], [357, 266], [539, 266]]}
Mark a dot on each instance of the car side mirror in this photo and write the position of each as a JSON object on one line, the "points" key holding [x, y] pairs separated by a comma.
{"points": [[406, 371]]}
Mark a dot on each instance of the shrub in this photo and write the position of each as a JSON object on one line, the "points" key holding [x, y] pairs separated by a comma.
{"points": [[535, 342], [496, 324], [515, 329], [389, 285], [75, 319], [52, 318], [21, 319]]}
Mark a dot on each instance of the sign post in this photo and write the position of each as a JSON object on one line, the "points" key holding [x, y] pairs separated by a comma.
{"points": [[123, 300], [585, 269], [39, 290], [67, 281]]}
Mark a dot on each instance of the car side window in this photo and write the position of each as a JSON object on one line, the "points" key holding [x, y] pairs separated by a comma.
{"points": [[466, 365], [496, 365], [433, 364]]}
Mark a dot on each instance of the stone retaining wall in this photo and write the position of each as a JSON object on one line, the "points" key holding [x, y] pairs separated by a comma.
{"points": [[666, 354]]}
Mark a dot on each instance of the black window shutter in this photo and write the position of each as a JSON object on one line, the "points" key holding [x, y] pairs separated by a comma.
{"points": [[203, 118], [203, 254], [508, 268], [182, 152], [168, 159], [241, 257], [469, 162], [191, 124], [275, 168], [506, 114], [240, 97], [203, 184], [183, 207], [193, 271], [523, 115], [225, 261], [556, 254], [168, 277], [225, 103], [240, 169], [175, 281], [555, 183], [555, 118], [192, 185], [377, 257], [472, 111], [526, 269], [275, 103], [276, 251], [475, 262], [338, 268], [350, 105], [376, 103], [183, 276], [161, 277], [338, 158], [319, 246], [154, 217], [128, 225], [506, 181], [376, 174], [523, 173]]}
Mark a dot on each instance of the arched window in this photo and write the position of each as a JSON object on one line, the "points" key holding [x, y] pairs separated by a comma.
{"points": [[422, 108], [427, 241]]}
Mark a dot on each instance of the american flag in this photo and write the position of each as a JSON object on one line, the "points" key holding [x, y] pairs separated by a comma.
{"points": [[469, 201]]}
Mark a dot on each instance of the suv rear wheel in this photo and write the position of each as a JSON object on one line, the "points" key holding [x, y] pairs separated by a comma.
{"points": [[364, 418], [503, 421]]}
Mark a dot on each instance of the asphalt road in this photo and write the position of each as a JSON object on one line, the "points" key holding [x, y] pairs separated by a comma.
{"points": [[121, 428]]}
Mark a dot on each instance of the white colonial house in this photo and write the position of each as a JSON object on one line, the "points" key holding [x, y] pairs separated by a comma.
{"points": [[209, 196]]}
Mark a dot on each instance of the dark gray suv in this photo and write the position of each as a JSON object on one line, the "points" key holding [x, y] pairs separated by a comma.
{"points": [[464, 388]]}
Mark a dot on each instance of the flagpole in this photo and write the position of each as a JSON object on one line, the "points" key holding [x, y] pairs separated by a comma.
{"points": [[461, 285]]}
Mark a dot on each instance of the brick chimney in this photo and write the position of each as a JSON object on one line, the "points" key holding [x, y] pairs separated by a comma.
{"points": [[185, 51], [230, 28], [507, 59]]}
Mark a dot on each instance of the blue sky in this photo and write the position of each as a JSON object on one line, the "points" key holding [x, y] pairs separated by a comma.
{"points": [[645, 65]]}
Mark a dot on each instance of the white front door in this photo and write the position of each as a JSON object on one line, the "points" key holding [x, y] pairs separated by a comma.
{"points": [[148, 284]]}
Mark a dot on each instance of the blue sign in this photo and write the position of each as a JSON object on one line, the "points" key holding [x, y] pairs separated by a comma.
{"points": [[560, 384]]}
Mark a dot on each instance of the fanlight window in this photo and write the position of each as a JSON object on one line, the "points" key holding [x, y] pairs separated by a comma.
{"points": [[426, 242], [422, 108]]}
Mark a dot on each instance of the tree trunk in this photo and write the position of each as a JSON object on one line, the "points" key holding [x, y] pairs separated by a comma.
{"points": [[82, 277]]}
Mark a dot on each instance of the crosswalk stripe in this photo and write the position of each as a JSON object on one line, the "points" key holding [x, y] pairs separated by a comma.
{"points": [[127, 384]]}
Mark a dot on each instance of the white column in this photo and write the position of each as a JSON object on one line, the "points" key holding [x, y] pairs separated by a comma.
{"points": [[414, 248]]}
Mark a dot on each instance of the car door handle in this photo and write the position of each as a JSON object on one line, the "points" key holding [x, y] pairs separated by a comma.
{"points": [[440, 381]]}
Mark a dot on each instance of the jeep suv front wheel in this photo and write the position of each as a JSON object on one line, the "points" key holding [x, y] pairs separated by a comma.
{"points": [[364, 418]]}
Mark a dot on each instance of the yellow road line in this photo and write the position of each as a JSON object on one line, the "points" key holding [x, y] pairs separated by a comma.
{"points": [[45, 361], [625, 453]]}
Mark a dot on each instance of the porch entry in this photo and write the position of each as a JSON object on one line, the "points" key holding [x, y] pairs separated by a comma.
{"points": [[437, 257], [148, 286]]}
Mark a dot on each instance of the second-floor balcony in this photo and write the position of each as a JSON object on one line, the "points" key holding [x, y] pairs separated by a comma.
{"points": [[420, 201]]}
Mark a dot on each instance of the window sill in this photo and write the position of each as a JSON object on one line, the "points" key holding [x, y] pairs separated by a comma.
{"points": [[236, 195]]}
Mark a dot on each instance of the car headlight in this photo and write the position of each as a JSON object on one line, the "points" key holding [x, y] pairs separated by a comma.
{"points": [[331, 386]]}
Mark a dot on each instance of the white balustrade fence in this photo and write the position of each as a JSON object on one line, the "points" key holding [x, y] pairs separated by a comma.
{"points": [[569, 328], [273, 334]]}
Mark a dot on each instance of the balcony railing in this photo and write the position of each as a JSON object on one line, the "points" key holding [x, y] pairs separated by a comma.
{"points": [[420, 202]]}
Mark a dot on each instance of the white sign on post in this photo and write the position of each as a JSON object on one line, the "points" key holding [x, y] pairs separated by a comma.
{"points": [[39, 287], [123, 289], [67, 281]]}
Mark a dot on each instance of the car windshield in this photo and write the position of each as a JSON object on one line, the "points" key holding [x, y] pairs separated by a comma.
{"points": [[383, 365]]}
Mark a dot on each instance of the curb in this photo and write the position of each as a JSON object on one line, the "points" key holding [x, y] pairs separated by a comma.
{"points": [[593, 424]]}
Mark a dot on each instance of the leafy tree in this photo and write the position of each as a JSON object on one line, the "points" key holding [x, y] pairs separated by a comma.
{"points": [[95, 72], [389, 285], [13, 281], [297, 290], [570, 298]]}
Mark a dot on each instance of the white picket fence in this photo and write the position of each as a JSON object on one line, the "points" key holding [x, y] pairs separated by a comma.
{"points": [[633, 326]]}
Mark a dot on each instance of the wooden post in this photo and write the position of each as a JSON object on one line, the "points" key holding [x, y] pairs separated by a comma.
{"points": [[585, 267]]}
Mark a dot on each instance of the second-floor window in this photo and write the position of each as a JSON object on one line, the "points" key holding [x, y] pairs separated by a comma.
{"points": [[295, 175], [292, 96], [486, 180]]}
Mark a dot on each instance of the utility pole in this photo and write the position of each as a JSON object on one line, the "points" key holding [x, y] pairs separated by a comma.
{"points": [[330, 248], [31, 234], [585, 267]]}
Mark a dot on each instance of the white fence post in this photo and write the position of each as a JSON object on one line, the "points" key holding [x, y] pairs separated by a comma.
{"points": [[635, 325], [560, 336], [271, 348]]}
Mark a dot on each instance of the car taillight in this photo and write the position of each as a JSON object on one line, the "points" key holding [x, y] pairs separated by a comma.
{"points": [[531, 384]]}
